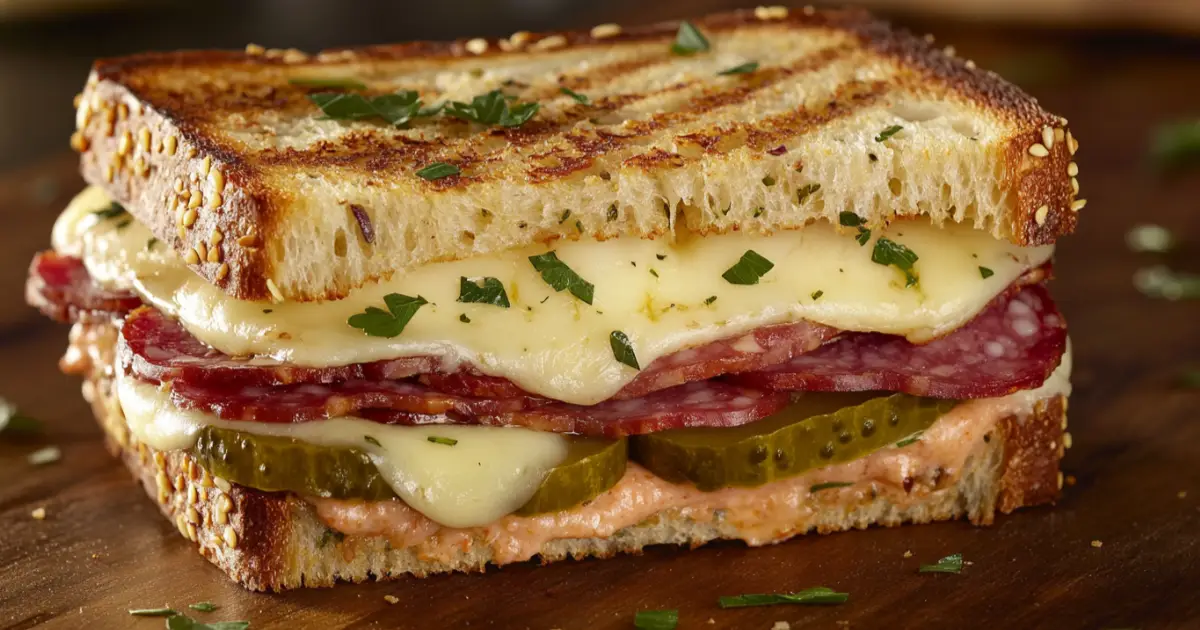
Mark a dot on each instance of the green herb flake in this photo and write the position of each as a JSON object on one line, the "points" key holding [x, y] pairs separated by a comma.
{"points": [[758, 212], [850, 219], [492, 109], [689, 40], [203, 606], [911, 439], [745, 68], [110, 211], [809, 596], [654, 273], [612, 213], [889, 252], [377, 322], [560, 277], [1176, 144], [749, 269], [816, 295], [397, 109], [151, 243], [330, 536], [656, 619], [806, 191], [371, 440], [437, 171], [661, 256], [829, 485], [888, 133], [268, 311], [950, 564], [623, 349], [445, 441], [464, 319], [579, 225], [13, 422], [331, 83], [986, 273], [153, 612], [565, 215], [709, 300], [124, 223], [491, 291], [43, 456], [579, 98]]}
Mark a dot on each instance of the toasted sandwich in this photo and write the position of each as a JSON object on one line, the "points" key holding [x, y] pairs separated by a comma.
{"points": [[430, 307]]}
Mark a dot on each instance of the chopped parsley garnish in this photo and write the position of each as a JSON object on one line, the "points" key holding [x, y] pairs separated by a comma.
{"points": [[745, 68], [579, 98], [579, 225], [438, 170], [565, 215], [888, 133], [748, 269], [709, 300], [43, 456], [13, 422], [332, 83], [445, 441], [623, 349], [806, 191], [377, 322], [491, 291], [464, 319], [689, 40], [654, 273], [371, 440], [656, 619], [493, 109], [912, 439], [661, 256], [124, 223], [151, 243], [949, 564], [850, 219], [986, 273], [268, 311], [815, 595], [889, 252], [612, 213], [1176, 144], [203, 606], [560, 277], [758, 212], [816, 295], [330, 535], [829, 485], [110, 211], [397, 109], [153, 612]]}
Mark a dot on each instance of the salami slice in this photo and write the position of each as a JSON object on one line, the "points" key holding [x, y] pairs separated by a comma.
{"points": [[317, 401], [702, 404], [63, 290], [1014, 344], [155, 347]]}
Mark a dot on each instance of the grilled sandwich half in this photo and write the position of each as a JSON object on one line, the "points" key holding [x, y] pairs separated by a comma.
{"points": [[424, 307]]}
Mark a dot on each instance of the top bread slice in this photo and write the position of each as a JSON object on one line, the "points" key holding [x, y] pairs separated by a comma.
{"points": [[223, 157]]}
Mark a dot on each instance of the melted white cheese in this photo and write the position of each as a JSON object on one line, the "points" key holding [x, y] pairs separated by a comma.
{"points": [[487, 474], [555, 345]]}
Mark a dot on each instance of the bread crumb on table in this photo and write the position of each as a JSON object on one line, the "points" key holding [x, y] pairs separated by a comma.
{"points": [[391, 599], [1097, 543], [39, 514], [907, 554], [781, 625]]}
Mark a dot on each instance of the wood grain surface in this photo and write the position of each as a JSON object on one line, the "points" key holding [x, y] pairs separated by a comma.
{"points": [[103, 548]]}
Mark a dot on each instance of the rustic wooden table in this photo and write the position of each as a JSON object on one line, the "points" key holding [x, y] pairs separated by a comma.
{"points": [[103, 548]]}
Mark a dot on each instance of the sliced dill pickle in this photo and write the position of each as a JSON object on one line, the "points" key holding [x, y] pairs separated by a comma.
{"points": [[816, 430], [275, 464], [592, 466]]}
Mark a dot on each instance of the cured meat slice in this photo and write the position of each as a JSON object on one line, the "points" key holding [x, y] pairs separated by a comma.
{"points": [[155, 347], [61, 288], [1014, 344], [701, 404], [317, 401]]}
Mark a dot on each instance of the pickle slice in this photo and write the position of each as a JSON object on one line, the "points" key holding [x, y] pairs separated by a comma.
{"points": [[816, 430], [276, 464]]}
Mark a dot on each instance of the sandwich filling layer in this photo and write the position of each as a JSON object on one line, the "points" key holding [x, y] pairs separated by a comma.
{"points": [[663, 297]]}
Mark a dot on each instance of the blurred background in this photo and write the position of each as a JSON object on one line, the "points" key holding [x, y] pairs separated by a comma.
{"points": [[47, 46]]}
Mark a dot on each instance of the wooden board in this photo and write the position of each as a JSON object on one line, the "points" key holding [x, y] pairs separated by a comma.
{"points": [[104, 548]]}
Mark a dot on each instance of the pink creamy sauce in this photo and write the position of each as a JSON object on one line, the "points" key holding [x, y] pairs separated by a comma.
{"points": [[762, 515]]}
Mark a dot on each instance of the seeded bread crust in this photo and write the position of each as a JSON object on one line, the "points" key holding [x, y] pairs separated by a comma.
{"points": [[231, 165], [273, 541]]}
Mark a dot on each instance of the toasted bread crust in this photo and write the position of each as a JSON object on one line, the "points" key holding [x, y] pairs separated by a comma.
{"points": [[170, 135], [275, 541]]}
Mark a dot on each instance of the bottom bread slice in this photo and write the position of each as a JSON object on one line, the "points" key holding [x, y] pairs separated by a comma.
{"points": [[276, 541]]}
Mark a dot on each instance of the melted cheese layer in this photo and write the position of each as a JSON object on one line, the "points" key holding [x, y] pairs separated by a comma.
{"points": [[665, 296], [487, 474]]}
